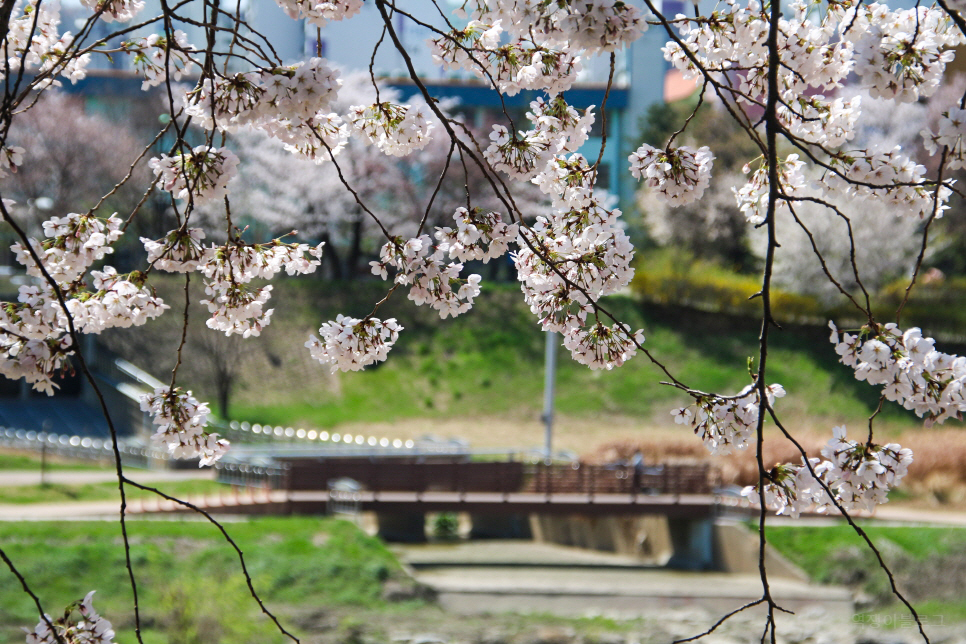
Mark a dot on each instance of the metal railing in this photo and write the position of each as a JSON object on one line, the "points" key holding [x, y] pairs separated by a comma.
{"points": [[269, 477], [133, 453]]}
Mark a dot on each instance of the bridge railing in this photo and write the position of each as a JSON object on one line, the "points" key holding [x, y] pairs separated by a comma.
{"points": [[256, 476], [506, 477], [580, 478], [133, 453]]}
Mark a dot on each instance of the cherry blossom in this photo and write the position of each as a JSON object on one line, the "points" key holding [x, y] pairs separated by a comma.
{"points": [[421, 264], [561, 123], [521, 155], [594, 26], [89, 628], [725, 424], [111, 10], [679, 175], [235, 306], [349, 344], [887, 177], [203, 173], [859, 475], [181, 250], [753, 197], [10, 159], [320, 12], [519, 65], [154, 57], [952, 125], [34, 41], [913, 373], [478, 235], [181, 422], [395, 129], [74, 242]]}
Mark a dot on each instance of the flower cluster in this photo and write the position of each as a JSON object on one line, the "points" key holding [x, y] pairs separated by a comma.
{"points": [[900, 54], [603, 347], [479, 235], [155, 56], [289, 103], [568, 261], [790, 489], [201, 175], [318, 139], [33, 41], [10, 159], [181, 422], [889, 178], [520, 65], [90, 628], [568, 180], [35, 339], [592, 25], [431, 281], [521, 155], [111, 10], [726, 424], [349, 344], [119, 301], [680, 175], [563, 125], [74, 242], [914, 374], [952, 126], [858, 475], [181, 250], [236, 307], [897, 54], [395, 129], [753, 197], [538, 155], [816, 120], [320, 12]]}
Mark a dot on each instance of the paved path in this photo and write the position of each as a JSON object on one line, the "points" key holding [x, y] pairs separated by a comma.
{"points": [[15, 478], [495, 576]]}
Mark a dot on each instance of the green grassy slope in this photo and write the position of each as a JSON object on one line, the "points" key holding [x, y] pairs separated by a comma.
{"points": [[189, 580], [490, 361], [926, 563]]}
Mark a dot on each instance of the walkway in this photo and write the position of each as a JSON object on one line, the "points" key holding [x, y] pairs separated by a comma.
{"points": [[505, 576], [17, 478]]}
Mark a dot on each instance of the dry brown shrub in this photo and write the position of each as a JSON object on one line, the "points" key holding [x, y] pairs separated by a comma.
{"points": [[938, 468]]}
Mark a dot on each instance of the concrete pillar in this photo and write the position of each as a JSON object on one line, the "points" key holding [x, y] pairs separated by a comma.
{"points": [[500, 526], [692, 544], [403, 527]]}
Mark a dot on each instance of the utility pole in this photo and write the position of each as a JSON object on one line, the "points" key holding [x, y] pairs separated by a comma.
{"points": [[549, 379]]}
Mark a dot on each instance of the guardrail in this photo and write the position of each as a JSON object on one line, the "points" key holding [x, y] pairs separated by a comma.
{"points": [[269, 477], [133, 453]]}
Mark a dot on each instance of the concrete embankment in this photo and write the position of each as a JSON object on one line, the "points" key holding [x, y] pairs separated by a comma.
{"points": [[521, 576]]}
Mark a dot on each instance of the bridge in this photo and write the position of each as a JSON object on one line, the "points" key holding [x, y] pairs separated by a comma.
{"points": [[423, 484], [572, 503]]}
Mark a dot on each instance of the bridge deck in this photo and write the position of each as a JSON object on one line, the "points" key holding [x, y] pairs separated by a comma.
{"points": [[684, 505]]}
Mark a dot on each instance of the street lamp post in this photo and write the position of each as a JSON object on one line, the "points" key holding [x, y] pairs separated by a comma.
{"points": [[549, 379]]}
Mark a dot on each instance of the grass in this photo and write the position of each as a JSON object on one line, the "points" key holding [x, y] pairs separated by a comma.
{"points": [[19, 461], [190, 586], [814, 549], [107, 491], [927, 563], [490, 362]]}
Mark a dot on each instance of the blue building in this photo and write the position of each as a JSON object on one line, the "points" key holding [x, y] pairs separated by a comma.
{"points": [[638, 82]]}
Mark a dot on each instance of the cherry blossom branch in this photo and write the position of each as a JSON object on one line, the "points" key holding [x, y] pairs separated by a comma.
{"points": [[26, 588], [857, 528], [231, 542]]}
